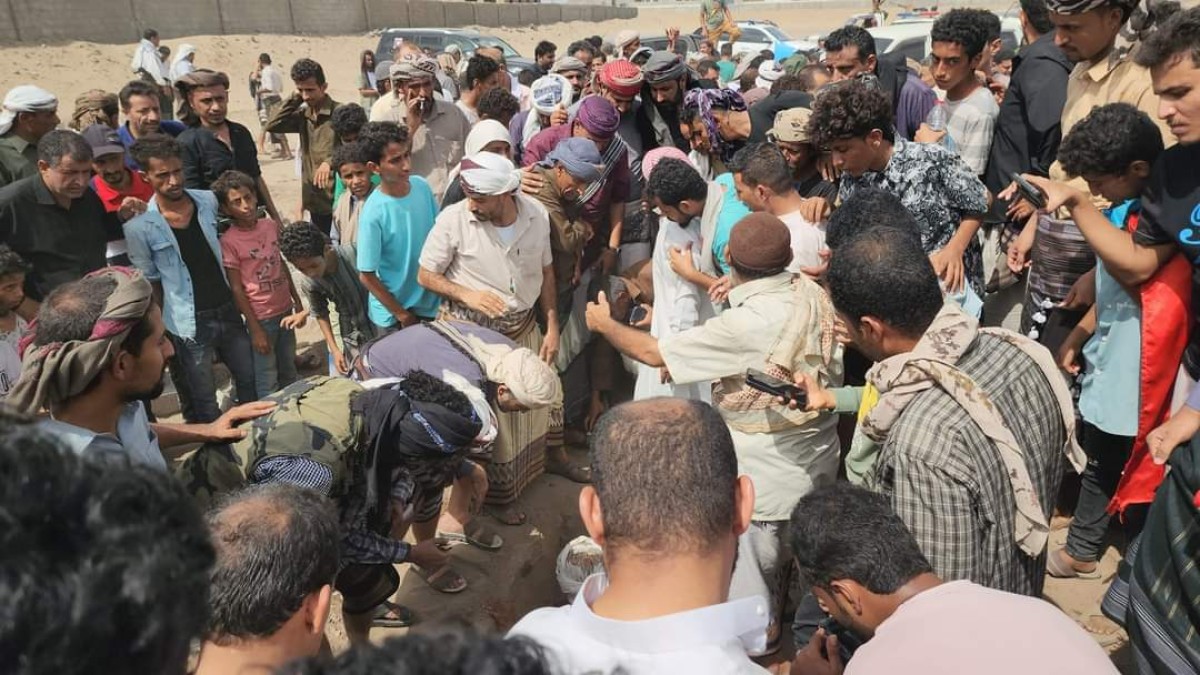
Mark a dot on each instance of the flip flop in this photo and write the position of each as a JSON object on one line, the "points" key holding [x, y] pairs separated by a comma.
{"points": [[572, 472], [1061, 569], [444, 580], [404, 617], [474, 533], [507, 515]]}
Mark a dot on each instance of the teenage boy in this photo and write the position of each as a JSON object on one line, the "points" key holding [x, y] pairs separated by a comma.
{"points": [[262, 287], [309, 112], [12, 326], [330, 275], [1112, 149], [393, 225], [350, 161], [174, 244], [958, 42]]}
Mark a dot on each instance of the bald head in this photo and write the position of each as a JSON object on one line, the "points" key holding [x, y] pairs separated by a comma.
{"points": [[276, 545], [666, 476]]}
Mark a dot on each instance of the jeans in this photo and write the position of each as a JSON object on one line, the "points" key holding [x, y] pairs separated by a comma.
{"points": [[219, 332], [1107, 455], [276, 369]]}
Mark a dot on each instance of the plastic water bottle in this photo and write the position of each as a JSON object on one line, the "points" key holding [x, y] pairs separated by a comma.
{"points": [[936, 120]]}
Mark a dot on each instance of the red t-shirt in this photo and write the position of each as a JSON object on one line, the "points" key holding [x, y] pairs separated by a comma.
{"points": [[138, 187]]}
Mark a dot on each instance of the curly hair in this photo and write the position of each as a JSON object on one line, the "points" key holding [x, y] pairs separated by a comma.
{"points": [[673, 181], [988, 22], [446, 650], [307, 69], [850, 109], [498, 104], [11, 262], [421, 386], [1177, 35], [106, 562], [961, 27], [376, 136], [228, 182], [348, 119], [348, 153], [302, 239], [1110, 139]]}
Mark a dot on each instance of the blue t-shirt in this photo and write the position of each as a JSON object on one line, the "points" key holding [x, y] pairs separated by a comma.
{"points": [[391, 234], [732, 210]]}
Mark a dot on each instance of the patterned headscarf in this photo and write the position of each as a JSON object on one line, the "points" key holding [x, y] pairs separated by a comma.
{"points": [[55, 372], [1081, 6], [93, 107], [705, 101], [414, 68], [622, 77]]}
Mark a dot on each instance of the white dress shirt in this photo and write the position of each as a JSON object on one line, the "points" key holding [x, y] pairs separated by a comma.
{"points": [[711, 639]]}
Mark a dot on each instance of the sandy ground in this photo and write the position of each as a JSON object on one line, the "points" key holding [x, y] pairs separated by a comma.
{"points": [[508, 584]]}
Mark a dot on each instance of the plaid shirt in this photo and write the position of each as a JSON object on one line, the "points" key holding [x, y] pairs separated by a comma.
{"points": [[946, 479]]}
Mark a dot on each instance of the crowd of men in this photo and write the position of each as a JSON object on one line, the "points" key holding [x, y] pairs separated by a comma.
{"points": [[837, 323]]}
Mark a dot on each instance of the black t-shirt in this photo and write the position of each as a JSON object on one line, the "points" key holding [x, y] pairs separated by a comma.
{"points": [[206, 157], [208, 283], [815, 186], [59, 244], [1171, 215]]}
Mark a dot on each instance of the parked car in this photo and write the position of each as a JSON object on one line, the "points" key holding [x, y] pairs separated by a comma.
{"points": [[911, 37], [760, 35], [435, 40], [686, 44]]}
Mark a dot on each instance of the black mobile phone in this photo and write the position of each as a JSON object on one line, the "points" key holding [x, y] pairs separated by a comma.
{"points": [[757, 379], [637, 315], [1032, 193]]}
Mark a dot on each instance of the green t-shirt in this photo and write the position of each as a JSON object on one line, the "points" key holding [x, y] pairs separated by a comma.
{"points": [[338, 187], [727, 68], [714, 13]]}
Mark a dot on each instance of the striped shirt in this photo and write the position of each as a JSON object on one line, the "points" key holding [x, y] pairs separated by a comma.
{"points": [[948, 484], [971, 123], [348, 295]]}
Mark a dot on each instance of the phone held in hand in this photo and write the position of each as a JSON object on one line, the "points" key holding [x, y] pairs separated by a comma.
{"points": [[1032, 193], [768, 384], [637, 315]]}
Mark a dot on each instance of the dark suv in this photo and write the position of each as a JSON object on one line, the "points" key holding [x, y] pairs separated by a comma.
{"points": [[435, 40]]}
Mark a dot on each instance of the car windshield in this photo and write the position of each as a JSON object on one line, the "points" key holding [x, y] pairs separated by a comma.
{"points": [[489, 41], [881, 45], [775, 32]]}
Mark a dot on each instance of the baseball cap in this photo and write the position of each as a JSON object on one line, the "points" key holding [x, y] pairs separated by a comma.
{"points": [[104, 140], [791, 126]]}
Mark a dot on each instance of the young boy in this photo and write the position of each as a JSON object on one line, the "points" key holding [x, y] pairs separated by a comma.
{"points": [[262, 288], [350, 164], [330, 275], [1112, 149], [12, 326]]}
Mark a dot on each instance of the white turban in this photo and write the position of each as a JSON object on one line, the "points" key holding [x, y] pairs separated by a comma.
{"points": [[25, 98], [532, 382], [624, 38], [485, 132], [486, 173], [768, 72]]}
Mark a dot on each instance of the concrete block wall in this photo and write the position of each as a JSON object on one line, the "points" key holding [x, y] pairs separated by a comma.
{"points": [[121, 21], [260, 16]]}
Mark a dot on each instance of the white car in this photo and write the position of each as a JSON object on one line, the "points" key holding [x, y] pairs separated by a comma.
{"points": [[911, 37], [760, 35]]}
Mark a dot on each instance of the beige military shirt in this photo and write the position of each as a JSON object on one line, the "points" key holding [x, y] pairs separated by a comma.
{"points": [[1116, 79]]}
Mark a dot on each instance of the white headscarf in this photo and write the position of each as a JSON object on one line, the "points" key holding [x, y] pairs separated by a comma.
{"points": [[549, 92], [181, 66], [25, 98], [768, 72], [486, 173], [484, 132]]}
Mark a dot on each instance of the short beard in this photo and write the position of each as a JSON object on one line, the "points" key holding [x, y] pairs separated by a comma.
{"points": [[148, 395]]}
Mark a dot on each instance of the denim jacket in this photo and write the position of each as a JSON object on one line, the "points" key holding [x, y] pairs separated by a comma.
{"points": [[154, 250]]}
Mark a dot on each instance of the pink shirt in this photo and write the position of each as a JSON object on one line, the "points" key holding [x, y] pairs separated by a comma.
{"points": [[961, 627], [255, 253]]}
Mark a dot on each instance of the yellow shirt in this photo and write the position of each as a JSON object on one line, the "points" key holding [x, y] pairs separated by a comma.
{"points": [[1114, 79]]}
